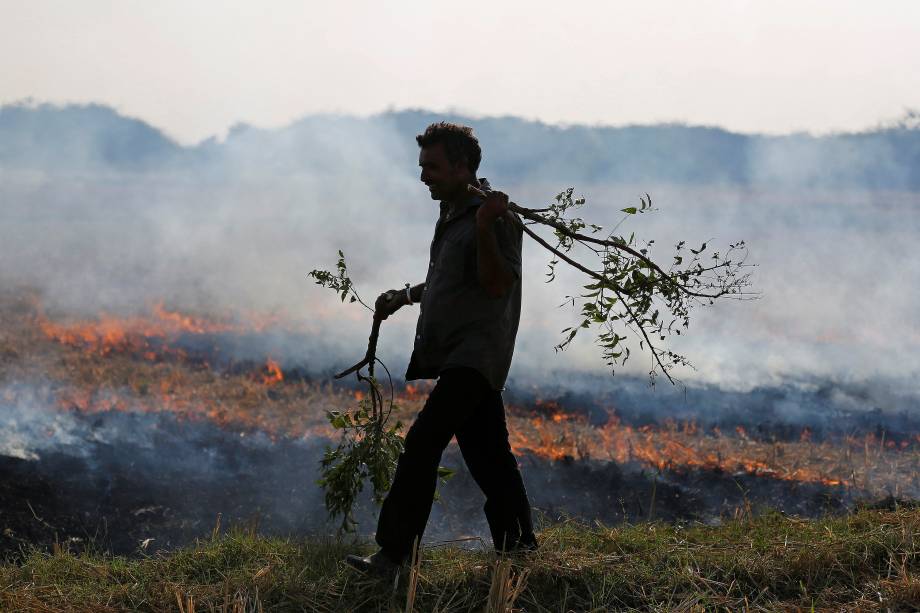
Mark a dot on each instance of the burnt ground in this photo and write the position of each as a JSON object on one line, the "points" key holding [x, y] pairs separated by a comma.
{"points": [[108, 448], [125, 478]]}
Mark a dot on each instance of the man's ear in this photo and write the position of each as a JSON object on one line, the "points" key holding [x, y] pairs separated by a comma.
{"points": [[460, 167]]}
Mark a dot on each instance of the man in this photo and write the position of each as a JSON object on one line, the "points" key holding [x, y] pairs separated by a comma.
{"points": [[470, 304]]}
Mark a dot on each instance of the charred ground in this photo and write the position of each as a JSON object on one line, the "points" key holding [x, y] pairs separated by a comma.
{"points": [[139, 438]]}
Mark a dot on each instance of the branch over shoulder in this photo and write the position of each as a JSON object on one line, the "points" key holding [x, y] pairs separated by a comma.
{"points": [[627, 288]]}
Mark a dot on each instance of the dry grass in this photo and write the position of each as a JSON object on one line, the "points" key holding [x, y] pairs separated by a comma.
{"points": [[866, 561]]}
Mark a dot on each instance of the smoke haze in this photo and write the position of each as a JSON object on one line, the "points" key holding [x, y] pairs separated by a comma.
{"points": [[103, 213]]}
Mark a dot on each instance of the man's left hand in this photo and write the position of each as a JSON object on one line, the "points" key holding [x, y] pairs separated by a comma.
{"points": [[494, 206]]}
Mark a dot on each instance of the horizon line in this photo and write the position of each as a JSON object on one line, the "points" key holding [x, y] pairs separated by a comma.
{"points": [[908, 120]]}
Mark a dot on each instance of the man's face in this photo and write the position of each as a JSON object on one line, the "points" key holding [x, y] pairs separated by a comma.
{"points": [[445, 181]]}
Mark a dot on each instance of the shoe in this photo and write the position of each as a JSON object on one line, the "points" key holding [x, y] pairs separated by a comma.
{"points": [[521, 549], [376, 564]]}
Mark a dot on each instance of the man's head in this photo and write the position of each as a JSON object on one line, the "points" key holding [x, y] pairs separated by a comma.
{"points": [[449, 158]]}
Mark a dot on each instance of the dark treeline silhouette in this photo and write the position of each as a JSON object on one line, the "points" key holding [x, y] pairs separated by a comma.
{"points": [[95, 137]]}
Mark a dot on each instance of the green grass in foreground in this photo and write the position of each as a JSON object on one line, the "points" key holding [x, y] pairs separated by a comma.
{"points": [[865, 561]]}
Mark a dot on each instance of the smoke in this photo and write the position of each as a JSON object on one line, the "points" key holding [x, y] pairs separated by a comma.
{"points": [[828, 409], [235, 226], [140, 476]]}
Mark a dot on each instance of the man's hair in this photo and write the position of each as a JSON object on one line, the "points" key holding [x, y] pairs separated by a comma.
{"points": [[458, 142]]}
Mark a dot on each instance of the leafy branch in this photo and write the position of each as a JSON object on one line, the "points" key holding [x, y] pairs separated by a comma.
{"points": [[339, 282], [368, 448], [627, 290]]}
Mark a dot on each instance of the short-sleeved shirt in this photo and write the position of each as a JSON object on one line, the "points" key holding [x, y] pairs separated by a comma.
{"points": [[459, 323]]}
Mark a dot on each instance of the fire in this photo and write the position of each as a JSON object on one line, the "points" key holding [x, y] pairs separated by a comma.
{"points": [[147, 337], [273, 373], [151, 337], [563, 436], [116, 364], [416, 392], [176, 321]]}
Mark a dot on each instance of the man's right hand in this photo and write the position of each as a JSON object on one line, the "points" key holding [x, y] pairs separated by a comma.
{"points": [[388, 303]]}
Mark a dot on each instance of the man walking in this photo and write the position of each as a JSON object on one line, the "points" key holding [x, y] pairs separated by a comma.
{"points": [[470, 304]]}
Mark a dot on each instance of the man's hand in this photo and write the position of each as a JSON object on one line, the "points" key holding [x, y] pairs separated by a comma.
{"points": [[494, 206], [388, 303]]}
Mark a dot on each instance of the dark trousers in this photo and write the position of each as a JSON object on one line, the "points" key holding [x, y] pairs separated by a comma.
{"points": [[464, 405]]}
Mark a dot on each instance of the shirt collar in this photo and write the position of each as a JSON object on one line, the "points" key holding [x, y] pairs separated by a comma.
{"points": [[471, 201]]}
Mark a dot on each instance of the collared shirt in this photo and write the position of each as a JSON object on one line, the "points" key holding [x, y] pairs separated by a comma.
{"points": [[459, 323]]}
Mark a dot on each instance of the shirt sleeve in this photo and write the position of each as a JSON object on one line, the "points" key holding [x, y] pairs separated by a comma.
{"points": [[510, 239]]}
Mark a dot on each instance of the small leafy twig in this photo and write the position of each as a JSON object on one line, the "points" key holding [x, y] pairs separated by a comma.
{"points": [[369, 446], [340, 282]]}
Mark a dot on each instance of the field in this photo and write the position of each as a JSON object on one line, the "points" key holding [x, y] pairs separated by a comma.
{"points": [[126, 438], [865, 561]]}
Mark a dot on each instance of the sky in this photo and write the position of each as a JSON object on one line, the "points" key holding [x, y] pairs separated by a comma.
{"points": [[193, 69]]}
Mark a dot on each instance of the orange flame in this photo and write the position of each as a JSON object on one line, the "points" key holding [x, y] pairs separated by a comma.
{"points": [[274, 374], [567, 436], [414, 392], [146, 336]]}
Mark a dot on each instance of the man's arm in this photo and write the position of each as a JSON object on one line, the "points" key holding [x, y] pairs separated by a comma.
{"points": [[495, 275], [392, 300]]}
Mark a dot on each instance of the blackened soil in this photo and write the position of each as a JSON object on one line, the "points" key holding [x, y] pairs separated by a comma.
{"points": [[134, 484]]}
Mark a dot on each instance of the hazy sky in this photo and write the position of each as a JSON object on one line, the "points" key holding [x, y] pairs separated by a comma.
{"points": [[194, 68]]}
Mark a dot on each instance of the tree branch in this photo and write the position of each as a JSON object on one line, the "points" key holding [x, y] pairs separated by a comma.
{"points": [[369, 357], [532, 215], [617, 290]]}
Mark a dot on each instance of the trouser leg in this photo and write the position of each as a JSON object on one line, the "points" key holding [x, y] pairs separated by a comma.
{"points": [[483, 441], [407, 506]]}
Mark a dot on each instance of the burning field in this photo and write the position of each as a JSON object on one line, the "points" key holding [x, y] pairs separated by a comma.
{"points": [[144, 432]]}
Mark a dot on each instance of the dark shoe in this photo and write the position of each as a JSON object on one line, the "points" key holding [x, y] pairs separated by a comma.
{"points": [[376, 564], [522, 549]]}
